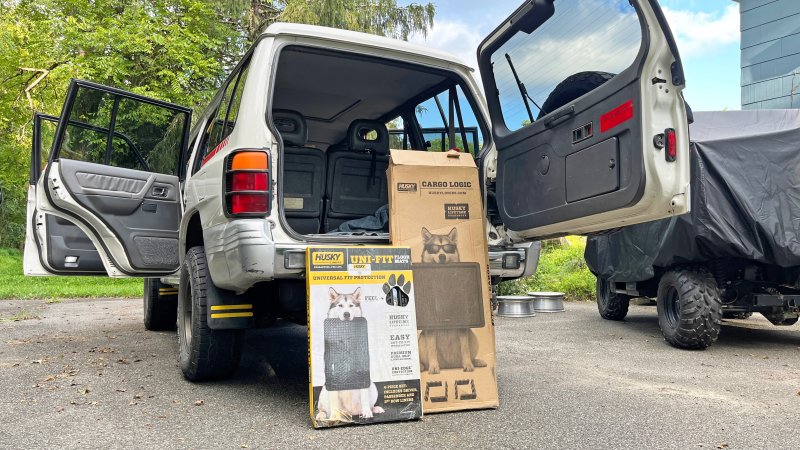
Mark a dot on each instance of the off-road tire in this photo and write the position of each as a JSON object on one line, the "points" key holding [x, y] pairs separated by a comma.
{"points": [[612, 306], [203, 354], [736, 315], [689, 311], [573, 87], [160, 311]]}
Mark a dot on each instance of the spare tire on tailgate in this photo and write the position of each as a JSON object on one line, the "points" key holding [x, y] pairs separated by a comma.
{"points": [[573, 87]]}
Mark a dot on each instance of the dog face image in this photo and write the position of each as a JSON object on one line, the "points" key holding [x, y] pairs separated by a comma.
{"points": [[344, 306], [440, 248]]}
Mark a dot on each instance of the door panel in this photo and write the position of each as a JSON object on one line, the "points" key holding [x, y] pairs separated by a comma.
{"points": [[114, 172], [140, 208], [64, 248], [69, 249], [578, 92]]}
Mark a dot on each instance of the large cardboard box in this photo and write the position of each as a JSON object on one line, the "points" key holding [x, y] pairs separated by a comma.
{"points": [[363, 354], [435, 207]]}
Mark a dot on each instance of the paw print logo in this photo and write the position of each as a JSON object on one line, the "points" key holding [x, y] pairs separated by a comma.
{"points": [[397, 290]]}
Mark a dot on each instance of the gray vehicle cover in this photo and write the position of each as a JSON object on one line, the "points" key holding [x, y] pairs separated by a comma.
{"points": [[745, 194]]}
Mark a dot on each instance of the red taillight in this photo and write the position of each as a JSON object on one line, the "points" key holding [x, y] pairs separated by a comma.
{"points": [[249, 181], [249, 203], [247, 184], [670, 144]]}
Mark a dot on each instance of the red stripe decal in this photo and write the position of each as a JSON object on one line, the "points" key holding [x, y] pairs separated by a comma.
{"points": [[616, 116], [214, 152]]}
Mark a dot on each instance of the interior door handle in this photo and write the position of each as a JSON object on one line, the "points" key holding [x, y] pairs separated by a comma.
{"points": [[560, 115], [159, 191]]}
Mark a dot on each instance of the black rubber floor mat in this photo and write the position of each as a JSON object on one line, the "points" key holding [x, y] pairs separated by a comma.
{"points": [[448, 295], [346, 354]]}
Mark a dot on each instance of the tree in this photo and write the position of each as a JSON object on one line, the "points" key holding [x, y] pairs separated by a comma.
{"points": [[174, 50], [381, 17]]}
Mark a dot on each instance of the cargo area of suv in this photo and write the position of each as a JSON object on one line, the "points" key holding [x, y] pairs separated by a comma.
{"points": [[335, 121]]}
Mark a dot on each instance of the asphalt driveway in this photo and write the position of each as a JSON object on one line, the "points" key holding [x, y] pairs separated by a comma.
{"points": [[85, 373]]}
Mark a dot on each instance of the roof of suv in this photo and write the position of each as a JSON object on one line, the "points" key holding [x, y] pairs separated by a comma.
{"points": [[354, 37]]}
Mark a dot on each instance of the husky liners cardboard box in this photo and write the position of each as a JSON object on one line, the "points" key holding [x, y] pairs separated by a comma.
{"points": [[363, 356], [435, 207]]}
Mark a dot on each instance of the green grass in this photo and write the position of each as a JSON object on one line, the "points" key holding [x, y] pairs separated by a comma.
{"points": [[14, 285], [561, 269]]}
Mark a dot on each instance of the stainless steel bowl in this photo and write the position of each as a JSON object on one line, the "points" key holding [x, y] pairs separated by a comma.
{"points": [[515, 306], [547, 302]]}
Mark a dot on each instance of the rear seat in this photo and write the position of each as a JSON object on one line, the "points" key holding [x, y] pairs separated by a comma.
{"points": [[356, 184], [303, 174]]}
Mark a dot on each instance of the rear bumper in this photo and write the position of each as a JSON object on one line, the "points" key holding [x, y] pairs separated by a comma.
{"points": [[521, 260], [242, 253]]}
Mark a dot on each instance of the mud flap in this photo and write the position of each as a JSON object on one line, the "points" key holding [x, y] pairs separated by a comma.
{"points": [[227, 311]]}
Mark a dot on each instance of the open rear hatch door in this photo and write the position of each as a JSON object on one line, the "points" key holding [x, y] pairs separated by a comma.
{"points": [[588, 118], [113, 176]]}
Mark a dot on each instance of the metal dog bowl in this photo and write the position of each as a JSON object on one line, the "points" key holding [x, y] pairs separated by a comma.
{"points": [[548, 302], [515, 306]]}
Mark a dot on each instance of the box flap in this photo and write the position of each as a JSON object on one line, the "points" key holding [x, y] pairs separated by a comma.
{"points": [[450, 158]]}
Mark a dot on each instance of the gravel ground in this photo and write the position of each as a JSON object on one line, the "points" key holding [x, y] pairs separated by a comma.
{"points": [[85, 373]]}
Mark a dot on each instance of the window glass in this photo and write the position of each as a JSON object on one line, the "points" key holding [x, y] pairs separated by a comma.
{"points": [[47, 131], [217, 121], [230, 122], [581, 36], [433, 116], [147, 135], [141, 136], [398, 139], [217, 129]]}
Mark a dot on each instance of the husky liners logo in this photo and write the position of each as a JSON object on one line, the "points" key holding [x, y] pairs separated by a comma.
{"points": [[328, 258], [406, 187], [459, 211]]}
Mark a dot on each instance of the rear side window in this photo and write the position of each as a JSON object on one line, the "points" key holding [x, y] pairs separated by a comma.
{"points": [[106, 128], [398, 138], [221, 123], [435, 116], [581, 38]]}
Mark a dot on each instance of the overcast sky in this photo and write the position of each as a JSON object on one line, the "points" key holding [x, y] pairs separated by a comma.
{"points": [[707, 32]]}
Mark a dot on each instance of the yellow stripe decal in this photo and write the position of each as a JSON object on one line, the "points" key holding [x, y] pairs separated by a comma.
{"points": [[167, 291], [231, 315], [229, 307]]}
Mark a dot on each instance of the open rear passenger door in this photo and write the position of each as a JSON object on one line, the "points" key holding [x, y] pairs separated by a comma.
{"points": [[114, 171], [65, 249], [588, 118]]}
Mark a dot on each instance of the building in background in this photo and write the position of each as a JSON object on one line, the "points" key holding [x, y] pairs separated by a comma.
{"points": [[770, 53]]}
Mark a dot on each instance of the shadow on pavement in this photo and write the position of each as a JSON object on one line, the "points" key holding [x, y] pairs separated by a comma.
{"points": [[752, 333]]}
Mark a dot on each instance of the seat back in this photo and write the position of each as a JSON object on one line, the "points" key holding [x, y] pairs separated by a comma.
{"points": [[303, 174], [356, 182]]}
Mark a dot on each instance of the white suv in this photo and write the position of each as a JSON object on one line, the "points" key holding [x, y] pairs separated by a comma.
{"points": [[293, 149]]}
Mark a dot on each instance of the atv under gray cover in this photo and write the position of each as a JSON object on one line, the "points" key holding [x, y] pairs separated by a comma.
{"points": [[745, 198]]}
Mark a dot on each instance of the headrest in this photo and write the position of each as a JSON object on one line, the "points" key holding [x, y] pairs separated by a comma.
{"points": [[292, 127], [358, 141]]}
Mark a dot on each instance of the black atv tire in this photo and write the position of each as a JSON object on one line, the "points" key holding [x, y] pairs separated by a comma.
{"points": [[736, 315], [689, 311], [611, 305], [203, 354], [573, 87], [160, 310]]}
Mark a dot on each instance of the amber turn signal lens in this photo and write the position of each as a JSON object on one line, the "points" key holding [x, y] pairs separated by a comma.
{"points": [[249, 161]]}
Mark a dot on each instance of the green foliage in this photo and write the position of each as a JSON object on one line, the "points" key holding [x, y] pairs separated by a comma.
{"points": [[561, 269], [381, 17], [175, 50], [13, 284]]}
